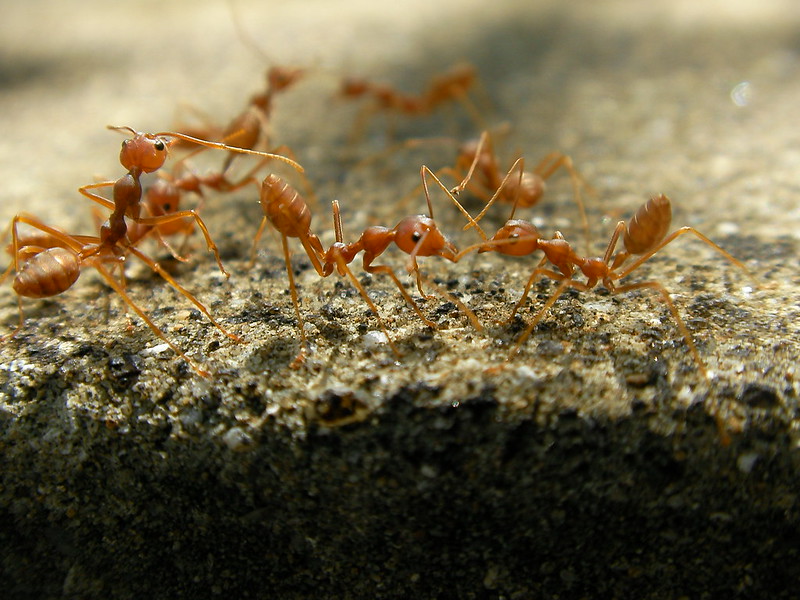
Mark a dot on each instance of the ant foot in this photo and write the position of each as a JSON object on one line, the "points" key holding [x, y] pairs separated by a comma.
{"points": [[299, 360]]}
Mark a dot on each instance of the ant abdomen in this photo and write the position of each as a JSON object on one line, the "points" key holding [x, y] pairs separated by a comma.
{"points": [[285, 207], [48, 273], [649, 225], [244, 131]]}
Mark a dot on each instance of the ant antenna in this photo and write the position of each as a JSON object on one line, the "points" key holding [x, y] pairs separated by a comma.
{"points": [[245, 36]]}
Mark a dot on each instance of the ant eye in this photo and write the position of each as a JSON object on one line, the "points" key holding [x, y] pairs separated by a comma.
{"points": [[125, 143], [159, 145], [416, 236], [168, 207]]}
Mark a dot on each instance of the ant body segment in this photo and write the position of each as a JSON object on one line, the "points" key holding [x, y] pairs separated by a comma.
{"points": [[164, 197], [251, 127], [417, 236]]}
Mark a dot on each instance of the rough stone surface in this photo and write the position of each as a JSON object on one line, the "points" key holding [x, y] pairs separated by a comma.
{"points": [[597, 462]]}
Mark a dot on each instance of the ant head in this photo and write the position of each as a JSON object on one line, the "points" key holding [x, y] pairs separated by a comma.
{"points": [[144, 151], [515, 238], [420, 234]]}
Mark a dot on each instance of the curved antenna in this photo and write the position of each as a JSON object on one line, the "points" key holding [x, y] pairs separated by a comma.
{"points": [[218, 145], [127, 128]]}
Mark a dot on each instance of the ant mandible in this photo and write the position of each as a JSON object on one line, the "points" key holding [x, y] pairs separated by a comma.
{"points": [[146, 153], [642, 236], [49, 262]]}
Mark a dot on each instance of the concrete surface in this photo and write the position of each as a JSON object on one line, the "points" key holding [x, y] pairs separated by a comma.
{"points": [[591, 465]]}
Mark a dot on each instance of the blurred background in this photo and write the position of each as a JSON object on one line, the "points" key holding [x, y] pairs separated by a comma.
{"points": [[697, 100]]}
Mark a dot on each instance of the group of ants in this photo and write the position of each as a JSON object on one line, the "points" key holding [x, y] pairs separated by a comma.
{"points": [[47, 261]]}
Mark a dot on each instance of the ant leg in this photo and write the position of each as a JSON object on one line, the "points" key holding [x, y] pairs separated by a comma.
{"points": [[478, 153], [105, 202], [256, 239], [18, 328], [342, 266], [388, 271], [14, 266], [176, 254], [301, 356], [186, 293], [455, 174], [365, 113], [558, 160], [662, 291], [153, 327], [621, 256], [410, 143], [520, 164], [539, 270], [484, 98], [310, 241], [413, 267], [472, 111], [565, 283], [462, 307], [161, 219], [672, 237], [425, 171]]}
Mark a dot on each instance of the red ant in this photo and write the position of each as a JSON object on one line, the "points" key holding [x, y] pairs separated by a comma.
{"points": [[146, 153], [450, 86], [49, 262], [417, 236], [643, 236]]}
